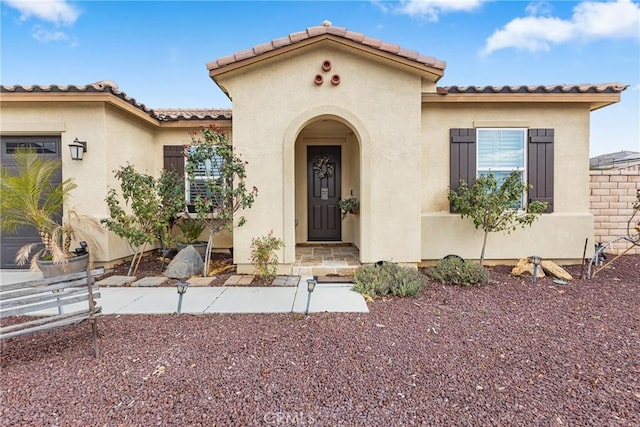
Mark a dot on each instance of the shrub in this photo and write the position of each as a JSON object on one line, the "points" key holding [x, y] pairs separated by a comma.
{"points": [[191, 230], [387, 278], [263, 255], [454, 271]]}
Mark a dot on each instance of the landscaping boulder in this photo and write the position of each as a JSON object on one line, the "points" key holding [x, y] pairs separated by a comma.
{"points": [[524, 267], [184, 265], [555, 270]]}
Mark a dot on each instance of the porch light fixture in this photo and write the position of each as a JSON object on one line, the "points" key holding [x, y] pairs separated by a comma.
{"points": [[311, 286], [182, 288], [78, 148], [536, 263]]}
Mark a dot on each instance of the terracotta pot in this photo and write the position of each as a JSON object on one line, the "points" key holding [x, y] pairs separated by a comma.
{"points": [[318, 79], [326, 65], [76, 264]]}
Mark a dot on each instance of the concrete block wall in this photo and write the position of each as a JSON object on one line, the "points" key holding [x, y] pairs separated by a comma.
{"points": [[612, 194]]}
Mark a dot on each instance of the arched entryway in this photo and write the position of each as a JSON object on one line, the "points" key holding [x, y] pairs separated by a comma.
{"points": [[327, 170], [330, 145]]}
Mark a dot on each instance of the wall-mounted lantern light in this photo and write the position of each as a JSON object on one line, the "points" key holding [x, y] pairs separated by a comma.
{"points": [[78, 148]]}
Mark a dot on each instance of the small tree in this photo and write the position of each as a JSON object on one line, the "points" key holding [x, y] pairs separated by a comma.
{"points": [[264, 257], [218, 176], [152, 205], [494, 207]]}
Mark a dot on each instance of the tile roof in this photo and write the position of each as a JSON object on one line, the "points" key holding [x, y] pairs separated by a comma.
{"points": [[174, 114], [580, 88], [100, 86], [182, 114], [326, 29], [107, 86]]}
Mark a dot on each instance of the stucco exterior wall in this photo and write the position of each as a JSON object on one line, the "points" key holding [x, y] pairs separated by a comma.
{"points": [[85, 121], [381, 105], [559, 235], [114, 138], [129, 140]]}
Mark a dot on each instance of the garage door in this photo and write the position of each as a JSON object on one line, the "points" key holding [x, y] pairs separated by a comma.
{"points": [[46, 147]]}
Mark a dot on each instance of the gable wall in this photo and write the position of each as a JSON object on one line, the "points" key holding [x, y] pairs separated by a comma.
{"points": [[271, 105]]}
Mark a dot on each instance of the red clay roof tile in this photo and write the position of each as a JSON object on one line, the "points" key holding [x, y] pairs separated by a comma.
{"points": [[581, 88], [107, 86], [390, 47], [326, 29], [262, 48], [299, 36], [353, 36]]}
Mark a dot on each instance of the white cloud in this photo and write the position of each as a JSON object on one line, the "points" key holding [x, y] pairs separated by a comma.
{"points": [[431, 9], [44, 35], [539, 8], [58, 12], [619, 19], [590, 20]]}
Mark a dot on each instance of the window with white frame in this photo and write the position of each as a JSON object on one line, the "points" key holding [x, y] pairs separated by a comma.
{"points": [[211, 169], [501, 152]]}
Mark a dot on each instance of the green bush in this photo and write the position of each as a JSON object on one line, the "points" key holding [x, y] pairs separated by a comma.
{"points": [[387, 278], [264, 257], [454, 271]]}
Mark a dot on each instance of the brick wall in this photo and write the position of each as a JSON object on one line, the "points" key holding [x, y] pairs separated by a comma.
{"points": [[612, 192]]}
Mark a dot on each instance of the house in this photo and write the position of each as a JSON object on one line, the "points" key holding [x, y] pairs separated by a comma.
{"points": [[371, 110], [617, 160]]}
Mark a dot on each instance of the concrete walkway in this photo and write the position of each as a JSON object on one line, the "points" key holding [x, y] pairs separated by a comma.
{"points": [[329, 297]]}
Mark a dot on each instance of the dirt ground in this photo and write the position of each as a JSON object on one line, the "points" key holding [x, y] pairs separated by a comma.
{"points": [[510, 353]]}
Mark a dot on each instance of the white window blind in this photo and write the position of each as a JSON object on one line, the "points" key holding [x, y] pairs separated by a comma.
{"points": [[500, 153], [211, 169], [501, 149]]}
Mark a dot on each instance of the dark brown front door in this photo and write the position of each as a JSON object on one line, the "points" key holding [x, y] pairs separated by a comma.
{"points": [[324, 192]]}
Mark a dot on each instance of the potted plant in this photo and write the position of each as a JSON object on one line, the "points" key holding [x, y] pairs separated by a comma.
{"points": [[30, 197], [349, 206]]}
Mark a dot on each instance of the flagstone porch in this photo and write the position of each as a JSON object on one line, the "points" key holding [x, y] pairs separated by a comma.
{"points": [[326, 259]]}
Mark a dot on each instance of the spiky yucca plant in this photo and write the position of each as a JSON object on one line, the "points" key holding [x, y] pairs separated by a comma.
{"points": [[29, 197]]}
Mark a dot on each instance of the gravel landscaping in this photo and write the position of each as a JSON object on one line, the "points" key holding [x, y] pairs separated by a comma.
{"points": [[511, 353]]}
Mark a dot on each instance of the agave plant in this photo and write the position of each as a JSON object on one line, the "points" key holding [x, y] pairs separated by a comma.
{"points": [[30, 197]]}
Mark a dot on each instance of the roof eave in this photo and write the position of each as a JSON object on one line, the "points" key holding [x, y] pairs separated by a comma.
{"points": [[433, 73], [106, 97], [595, 100]]}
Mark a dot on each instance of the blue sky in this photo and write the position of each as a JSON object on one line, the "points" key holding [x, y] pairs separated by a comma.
{"points": [[156, 51]]}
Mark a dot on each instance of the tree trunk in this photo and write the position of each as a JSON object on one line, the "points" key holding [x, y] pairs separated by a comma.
{"points": [[484, 244], [135, 270], [133, 261], [207, 256]]}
